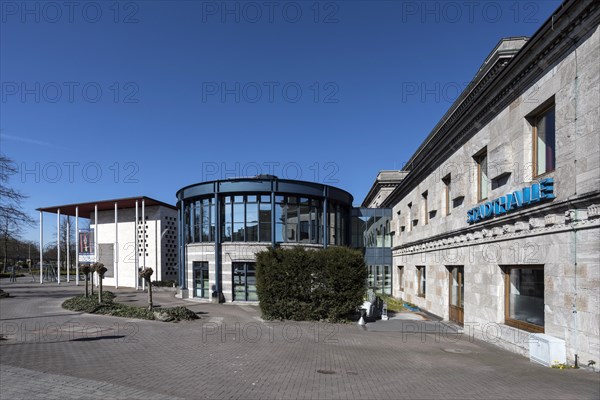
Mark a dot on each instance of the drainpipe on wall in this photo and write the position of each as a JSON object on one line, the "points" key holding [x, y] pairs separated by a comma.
{"points": [[576, 216], [575, 327]]}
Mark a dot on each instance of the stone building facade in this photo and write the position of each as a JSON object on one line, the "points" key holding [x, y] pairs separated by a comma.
{"points": [[497, 220]]}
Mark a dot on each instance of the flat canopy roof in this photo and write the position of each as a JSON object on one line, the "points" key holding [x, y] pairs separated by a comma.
{"points": [[104, 205]]}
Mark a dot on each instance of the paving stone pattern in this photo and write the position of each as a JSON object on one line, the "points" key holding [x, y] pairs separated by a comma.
{"points": [[232, 353]]}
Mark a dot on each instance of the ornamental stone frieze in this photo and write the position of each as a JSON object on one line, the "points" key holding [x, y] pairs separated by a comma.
{"points": [[593, 211], [550, 222]]}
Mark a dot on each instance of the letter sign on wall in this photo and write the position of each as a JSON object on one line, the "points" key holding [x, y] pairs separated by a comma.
{"points": [[537, 192]]}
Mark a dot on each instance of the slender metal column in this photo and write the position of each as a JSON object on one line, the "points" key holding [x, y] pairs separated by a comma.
{"points": [[116, 250], [135, 238], [76, 245], [96, 237], [41, 247], [325, 222], [144, 240], [179, 245], [157, 264], [58, 246], [273, 219], [185, 258], [218, 260], [68, 249]]}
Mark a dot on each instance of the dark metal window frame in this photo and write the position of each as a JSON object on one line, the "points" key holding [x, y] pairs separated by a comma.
{"points": [[200, 266], [245, 275]]}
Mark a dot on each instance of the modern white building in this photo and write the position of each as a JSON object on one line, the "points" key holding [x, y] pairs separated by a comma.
{"points": [[117, 241], [497, 220]]}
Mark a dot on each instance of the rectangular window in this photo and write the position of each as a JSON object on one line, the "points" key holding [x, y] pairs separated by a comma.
{"points": [[228, 220], [421, 281], [425, 209], [264, 217], [387, 280], [291, 222], [447, 194], [238, 219], [251, 221], [482, 175], [304, 219], [544, 142], [401, 278], [205, 219], [524, 297], [280, 219], [197, 221]]}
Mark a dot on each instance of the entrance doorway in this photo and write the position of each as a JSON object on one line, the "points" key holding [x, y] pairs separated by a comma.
{"points": [[457, 294], [244, 281], [201, 279]]}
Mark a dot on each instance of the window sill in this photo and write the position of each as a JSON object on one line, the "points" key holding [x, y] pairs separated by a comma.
{"points": [[524, 326], [421, 295], [544, 175]]}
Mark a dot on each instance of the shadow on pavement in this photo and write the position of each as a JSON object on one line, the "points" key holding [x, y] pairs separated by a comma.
{"points": [[90, 339]]}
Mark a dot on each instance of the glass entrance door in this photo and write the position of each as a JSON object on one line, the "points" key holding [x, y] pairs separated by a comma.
{"points": [[244, 281], [201, 279], [457, 292]]}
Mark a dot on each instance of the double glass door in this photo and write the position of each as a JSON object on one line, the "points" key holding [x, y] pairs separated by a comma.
{"points": [[457, 294]]}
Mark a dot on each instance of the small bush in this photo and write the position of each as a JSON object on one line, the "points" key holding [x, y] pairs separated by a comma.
{"points": [[180, 313], [298, 284], [83, 304], [393, 304], [170, 283]]}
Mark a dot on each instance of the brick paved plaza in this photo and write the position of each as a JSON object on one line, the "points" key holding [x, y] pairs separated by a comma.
{"points": [[231, 353]]}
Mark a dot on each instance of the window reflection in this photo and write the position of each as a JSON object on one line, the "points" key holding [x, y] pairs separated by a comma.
{"points": [[249, 218]]}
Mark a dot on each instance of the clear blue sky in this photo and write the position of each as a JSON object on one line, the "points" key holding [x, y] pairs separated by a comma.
{"points": [[103, 99]]}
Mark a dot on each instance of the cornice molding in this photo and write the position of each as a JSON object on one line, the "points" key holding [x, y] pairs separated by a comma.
{"points": [[554, 222]]}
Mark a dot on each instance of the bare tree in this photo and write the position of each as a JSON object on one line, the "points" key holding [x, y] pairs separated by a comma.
{"points": [[12, 216], [146, 274], [100, 270], [86, 270]]}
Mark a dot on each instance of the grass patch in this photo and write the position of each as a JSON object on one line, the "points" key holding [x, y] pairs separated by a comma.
{"points": [[109, 307], [393, 304]]}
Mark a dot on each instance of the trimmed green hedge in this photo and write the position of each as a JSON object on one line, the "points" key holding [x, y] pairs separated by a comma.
{"points": [[298, 284]]}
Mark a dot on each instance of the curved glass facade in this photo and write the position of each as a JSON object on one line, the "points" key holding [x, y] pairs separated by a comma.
{"points": [[227, 211], [263, 210], [262, 217]]}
